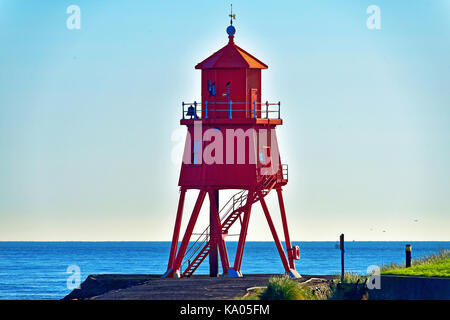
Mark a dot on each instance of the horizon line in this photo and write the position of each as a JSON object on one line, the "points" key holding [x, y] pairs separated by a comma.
{"points": [[226, 241]]}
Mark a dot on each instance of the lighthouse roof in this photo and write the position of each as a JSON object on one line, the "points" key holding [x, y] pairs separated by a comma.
{"points": [[229, 57]]}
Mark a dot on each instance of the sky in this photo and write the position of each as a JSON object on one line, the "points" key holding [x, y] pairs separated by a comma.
{"points": [[89, 118]]}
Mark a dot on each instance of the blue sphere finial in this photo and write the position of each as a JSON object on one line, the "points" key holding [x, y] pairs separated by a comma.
{"points": [[231, 30]]}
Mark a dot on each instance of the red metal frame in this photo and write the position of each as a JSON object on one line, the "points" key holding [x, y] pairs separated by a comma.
{"points": [[243, 233], [176, 230], [189, 229], [287, 239], [230, 99], [218, 229], [274, 233], [217, 233]]}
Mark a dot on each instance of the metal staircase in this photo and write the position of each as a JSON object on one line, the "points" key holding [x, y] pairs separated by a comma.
{"points": [[229, 213]]}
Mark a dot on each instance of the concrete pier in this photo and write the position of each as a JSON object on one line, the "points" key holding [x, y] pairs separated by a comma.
{"points": [[153, 287]]}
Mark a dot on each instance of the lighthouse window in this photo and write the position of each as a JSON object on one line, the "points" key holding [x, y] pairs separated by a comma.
{"points": [[211, 88], [196, 153], [263, 154], [261, 157]]}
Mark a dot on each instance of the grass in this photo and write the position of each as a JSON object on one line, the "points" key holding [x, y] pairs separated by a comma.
{"points": [[283, 288], [435, 265], [352, 278], [353, 287], [254, 295]]}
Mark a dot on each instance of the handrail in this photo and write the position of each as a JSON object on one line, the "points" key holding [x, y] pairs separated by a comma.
{"points": [[234, 102], [254, 108]]}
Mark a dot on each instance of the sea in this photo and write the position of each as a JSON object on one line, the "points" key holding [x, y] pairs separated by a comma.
{"points": [[45, 270]]}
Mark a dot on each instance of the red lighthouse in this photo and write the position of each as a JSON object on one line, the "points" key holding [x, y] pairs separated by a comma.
{"points": [[231, 144]]}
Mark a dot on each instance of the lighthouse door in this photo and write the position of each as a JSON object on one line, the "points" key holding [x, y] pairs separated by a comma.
{"points": [[254, 103]]}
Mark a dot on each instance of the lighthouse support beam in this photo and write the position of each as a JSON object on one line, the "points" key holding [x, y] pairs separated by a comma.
{"points": [[287, 239], [274, 232], [176, 230], [216, 234], [188, 233], [242, 235], [213, 244]]}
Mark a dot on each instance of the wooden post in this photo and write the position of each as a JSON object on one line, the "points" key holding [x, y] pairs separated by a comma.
{"points": [[408, 255], [341, 238]]}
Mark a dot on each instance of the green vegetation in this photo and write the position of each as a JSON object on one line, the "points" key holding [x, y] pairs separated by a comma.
{"points": [[350, 277], [284, 288], [435, 265], [353, 287], [254, 295]]}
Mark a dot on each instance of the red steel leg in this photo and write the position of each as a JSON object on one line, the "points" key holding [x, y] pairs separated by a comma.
{"points": [[243, 234], [176, 230], [213, 245], [189, 229], [274, 232], [217, 233], [285, 229], [224, 255]]}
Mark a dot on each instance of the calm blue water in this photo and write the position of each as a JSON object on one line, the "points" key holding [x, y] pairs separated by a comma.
{"points": [[37, 270]]}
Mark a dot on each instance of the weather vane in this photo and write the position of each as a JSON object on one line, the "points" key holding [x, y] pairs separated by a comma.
{"points": [[231, 15]]}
